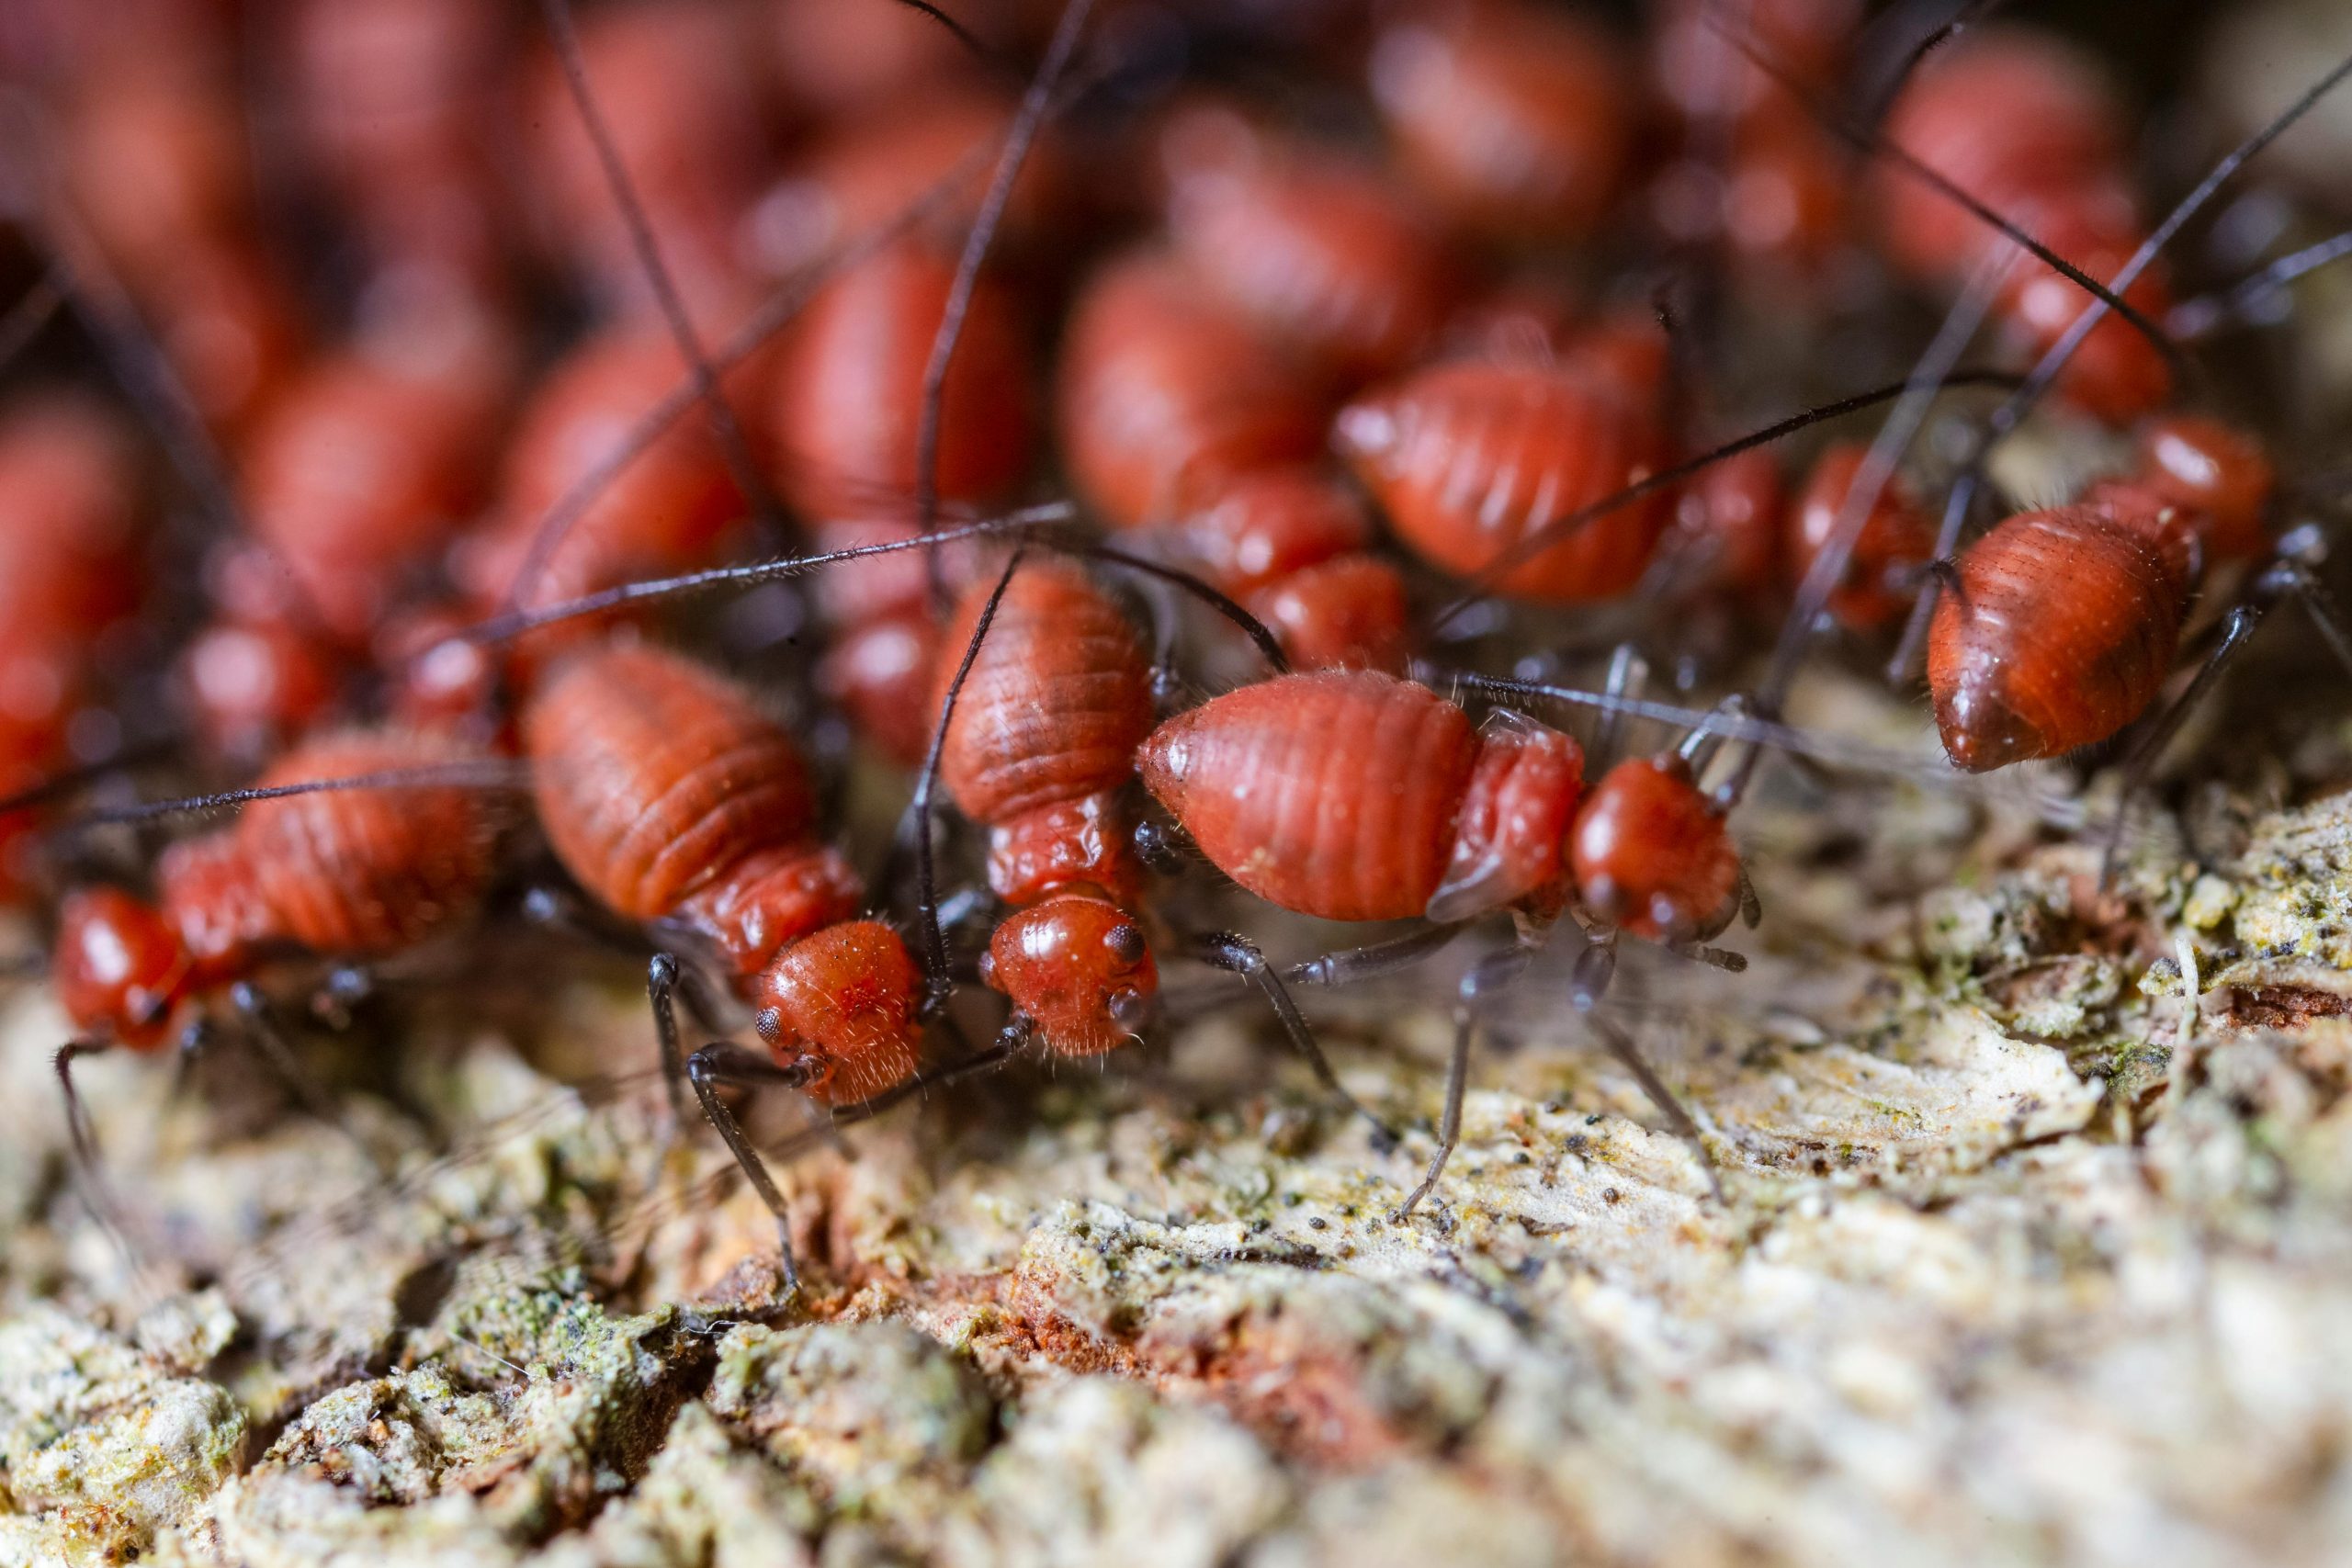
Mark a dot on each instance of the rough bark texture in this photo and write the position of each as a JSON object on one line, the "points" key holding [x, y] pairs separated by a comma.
{"points": [[2003, 1273]]}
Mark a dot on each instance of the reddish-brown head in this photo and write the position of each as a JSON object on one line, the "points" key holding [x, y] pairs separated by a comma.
{"points": [[1895, 536], [2216, 472], [1079, 967], [842, 1004], [1267, 525], [256, 686], [1651, 853], [119, 966]]}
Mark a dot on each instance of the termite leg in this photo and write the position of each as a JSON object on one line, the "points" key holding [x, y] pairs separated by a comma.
{"points": [[1494, 973], [1007, 1045], [1621, 1045], [1374, 960], [270, 1044], [557, 908], [719, 1063], [88, 1172], [661, 991], [1627, 672], [2235, 632], [195, 1039], [1595, 967], [1237, 955], [1164, 847], [1751, 908], [2300, 550], [1721, 958]]}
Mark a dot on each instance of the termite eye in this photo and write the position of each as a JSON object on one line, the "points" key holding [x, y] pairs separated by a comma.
{"points": [[1126, 943], [770, 1024]]}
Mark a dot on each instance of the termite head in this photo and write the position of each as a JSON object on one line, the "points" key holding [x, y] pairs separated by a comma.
{"points": [[1650, 853], [119, 967], [1079, 967], [840, 1007]]}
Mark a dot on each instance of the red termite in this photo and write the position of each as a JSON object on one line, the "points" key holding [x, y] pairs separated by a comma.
{"points": [[72, 492], [1040, 720], [1518, 119], [672, 504], [1895, 542], [849, 387], [393, 101], [153, 160], [673, 798], [1176, 416], [2060, 626], [1040, 740], [1318, 252], [2016, 121], [1469, 459], [678, 94], [1417, 814], [357, 872]]}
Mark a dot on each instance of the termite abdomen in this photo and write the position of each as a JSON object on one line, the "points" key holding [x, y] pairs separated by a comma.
{"points": [[1470, 459], [2059, 631]]}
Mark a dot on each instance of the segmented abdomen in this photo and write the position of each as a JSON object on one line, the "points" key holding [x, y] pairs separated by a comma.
{"points": [[2061, 631], [368, 870], [1468, 459], [1056, 701], [1334, 793], [654, 775]]}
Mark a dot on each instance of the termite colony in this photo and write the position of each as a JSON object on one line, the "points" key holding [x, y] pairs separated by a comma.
{"points": [[1199, 453]]}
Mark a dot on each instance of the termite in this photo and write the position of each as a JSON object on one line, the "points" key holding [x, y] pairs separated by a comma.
{"points": [[399, 854], [1518, 119], [1176, 417], [1429, 816], [71, 491]]}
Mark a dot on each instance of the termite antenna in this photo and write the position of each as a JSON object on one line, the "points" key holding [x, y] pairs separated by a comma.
{"points": [[2196, 318], [29, 316], [1869, 143], [962, 34], [1882, 98], [736, 450], [1879, 464], [71, 780], [1269, 647], [789, 299], [2011, 414], [1621, 1045], [1036, 103], [1481, 584], [89, 1172], [515, 623], [462, 775], [938, 985]]}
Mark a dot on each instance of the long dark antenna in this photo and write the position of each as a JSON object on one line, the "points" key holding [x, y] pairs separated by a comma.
{"points": [[936, 982], [486, 774], [2007, 417], [506, 628], [1871, 143], [1882, 98], [2195, 318], [1481, 583], [790, 299], [1034, 105], [736, 450]]}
